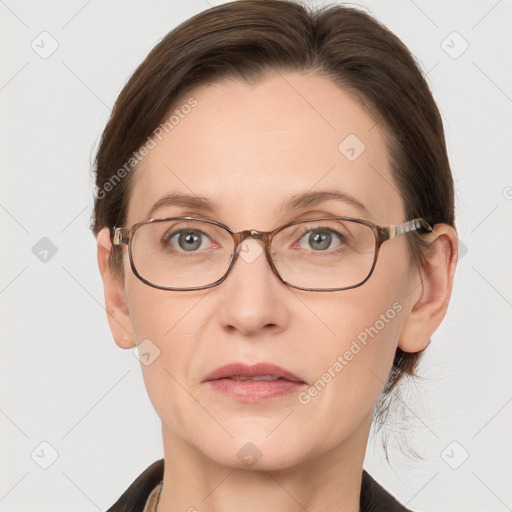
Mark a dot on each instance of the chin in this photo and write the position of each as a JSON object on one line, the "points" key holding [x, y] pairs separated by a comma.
{"points": [[258, 454]]}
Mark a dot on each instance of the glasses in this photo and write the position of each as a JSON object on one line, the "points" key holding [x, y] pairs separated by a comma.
{"points": [[320, 254]]}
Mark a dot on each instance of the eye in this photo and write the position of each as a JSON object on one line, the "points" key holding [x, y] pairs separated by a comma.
{"points": [[320, 239], [189, 240]]}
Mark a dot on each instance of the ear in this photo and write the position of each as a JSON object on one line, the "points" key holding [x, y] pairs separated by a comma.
{"points": [[431, 289], [117, 312]]}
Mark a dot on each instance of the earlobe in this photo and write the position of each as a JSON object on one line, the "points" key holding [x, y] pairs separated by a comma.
{"points": [[117, 311], [431, 290]]}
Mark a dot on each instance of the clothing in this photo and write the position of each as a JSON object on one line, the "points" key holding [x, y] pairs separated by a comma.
{"points": [[142, 495]]}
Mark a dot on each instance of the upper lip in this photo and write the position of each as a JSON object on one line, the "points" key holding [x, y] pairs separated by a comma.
{"points": [[243, 370]]}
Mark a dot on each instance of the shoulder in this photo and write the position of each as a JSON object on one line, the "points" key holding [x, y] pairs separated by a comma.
{"points": [[374, 498], [135, 497]]}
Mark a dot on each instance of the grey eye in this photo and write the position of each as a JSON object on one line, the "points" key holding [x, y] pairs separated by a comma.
{"points": [[320, 239]]}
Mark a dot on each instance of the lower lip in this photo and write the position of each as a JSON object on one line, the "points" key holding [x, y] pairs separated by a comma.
{"points": [[256, 390]]}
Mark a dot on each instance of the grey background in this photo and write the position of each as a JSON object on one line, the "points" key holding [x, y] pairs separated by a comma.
{"points": [[66, 384]]}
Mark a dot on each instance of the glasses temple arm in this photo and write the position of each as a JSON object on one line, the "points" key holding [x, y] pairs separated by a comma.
{"points": [[119, 236], [411, 225]]}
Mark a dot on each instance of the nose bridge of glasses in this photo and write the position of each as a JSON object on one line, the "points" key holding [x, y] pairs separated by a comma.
{"points": [[251, 233], [245, 251]]}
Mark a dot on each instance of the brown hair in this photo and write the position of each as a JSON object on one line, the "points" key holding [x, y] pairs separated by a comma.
{"points": [[250, 39]]}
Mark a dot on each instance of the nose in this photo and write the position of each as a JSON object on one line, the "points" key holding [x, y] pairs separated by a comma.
{"points": [[252, 298]]}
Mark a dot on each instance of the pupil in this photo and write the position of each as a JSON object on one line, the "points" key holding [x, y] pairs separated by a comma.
{"points": [[189, 241]]}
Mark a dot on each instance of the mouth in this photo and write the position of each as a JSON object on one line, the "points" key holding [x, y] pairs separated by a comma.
{"points": [[255, 383], [259, 372], [269, 378]]}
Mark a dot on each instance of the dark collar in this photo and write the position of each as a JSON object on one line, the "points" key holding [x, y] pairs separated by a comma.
{"points": [[374, 498]]}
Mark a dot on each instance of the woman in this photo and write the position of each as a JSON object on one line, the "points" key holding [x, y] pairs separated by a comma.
{"points": [[275, 228]]}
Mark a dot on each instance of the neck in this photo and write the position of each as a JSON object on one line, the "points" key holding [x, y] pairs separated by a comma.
{"points": [[330, 481]]}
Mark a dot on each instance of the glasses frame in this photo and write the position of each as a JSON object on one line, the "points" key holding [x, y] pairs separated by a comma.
{"points": [[124, 236]]}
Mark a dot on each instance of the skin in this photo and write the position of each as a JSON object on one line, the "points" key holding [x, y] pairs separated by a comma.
{"points": [[251, 147]]}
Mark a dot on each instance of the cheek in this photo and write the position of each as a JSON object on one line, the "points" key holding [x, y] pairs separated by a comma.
{"points": [[353, 366], [160, 315], [353, 363], [166, 328]]}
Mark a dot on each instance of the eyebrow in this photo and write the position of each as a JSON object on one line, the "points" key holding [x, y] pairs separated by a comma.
{"points": [[296, 202], [186, 201], [309, 199]]}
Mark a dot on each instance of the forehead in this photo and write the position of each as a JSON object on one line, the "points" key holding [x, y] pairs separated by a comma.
{"points": [[250, 147]]}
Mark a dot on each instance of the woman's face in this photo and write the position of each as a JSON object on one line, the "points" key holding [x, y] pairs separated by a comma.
{"points": [[249, 149]]}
